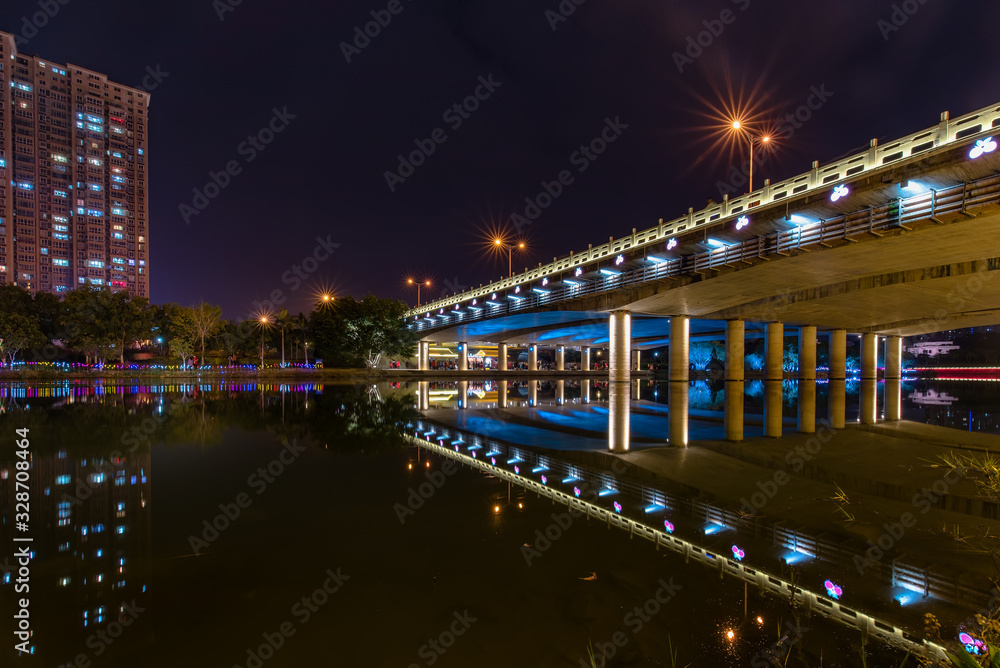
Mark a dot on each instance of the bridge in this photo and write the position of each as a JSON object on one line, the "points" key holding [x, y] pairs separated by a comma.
{"points": [[883, 244]]}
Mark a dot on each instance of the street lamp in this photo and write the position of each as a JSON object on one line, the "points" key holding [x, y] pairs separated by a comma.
{"points": [[499, 243], [160, 341], [263, 325], [410, 281], [751, 139]]}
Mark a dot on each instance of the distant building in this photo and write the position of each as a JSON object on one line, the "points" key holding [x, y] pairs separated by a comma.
{"points": [[932, 348], [74, 205]]}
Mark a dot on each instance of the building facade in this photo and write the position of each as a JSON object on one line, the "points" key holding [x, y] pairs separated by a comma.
{"points": [[74, 203]]}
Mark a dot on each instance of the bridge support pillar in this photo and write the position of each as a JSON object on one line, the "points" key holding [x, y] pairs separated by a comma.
{"points": [[869, 356], [735, 349], [807, 353], [807, 406], [893, 358], [502, 393], [560, 359], [838, 354], [423, 355], [502, 356], [619, 415], [620, 342], [838, 403], [463, 394], [772, 408], [636, 360], [463, 356], [774, 350], [680, 357], [584, 359], [532, 358]]}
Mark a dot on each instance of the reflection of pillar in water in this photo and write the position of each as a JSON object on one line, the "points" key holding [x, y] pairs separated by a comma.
{"points": [[893, 398], [868, 392], [585, 391], [637, 392], [678, 414], [838, 403], [733, 416], [636, 360], [533, 392], [561, 392], [807, 406], [584, 359], [463, 393], [502, 394], [620, 342], [423, 395], [773, 408], [619, 412], [560, 358]]}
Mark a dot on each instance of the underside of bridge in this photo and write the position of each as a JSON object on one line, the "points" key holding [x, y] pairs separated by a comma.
{"points": [[903, 283]]}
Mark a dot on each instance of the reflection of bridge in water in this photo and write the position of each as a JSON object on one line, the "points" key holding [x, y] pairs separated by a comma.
{"points": [[506, 421]]}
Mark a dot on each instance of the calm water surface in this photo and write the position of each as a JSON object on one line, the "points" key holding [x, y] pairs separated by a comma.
{"points": [[293, 526]]}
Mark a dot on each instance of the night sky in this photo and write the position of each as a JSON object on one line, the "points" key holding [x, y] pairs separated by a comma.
{"points": [[221, 80]]}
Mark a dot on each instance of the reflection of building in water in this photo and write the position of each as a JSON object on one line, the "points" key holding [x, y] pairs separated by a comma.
{"points": [[91, 524], [933, 348], [932, 397]]}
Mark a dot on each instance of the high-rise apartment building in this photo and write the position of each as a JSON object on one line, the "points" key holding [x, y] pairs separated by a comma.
{"points": [[74, 206]]}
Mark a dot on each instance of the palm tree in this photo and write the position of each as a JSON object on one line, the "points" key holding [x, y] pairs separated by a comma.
{"points": [[301, 324], [283, 322]]}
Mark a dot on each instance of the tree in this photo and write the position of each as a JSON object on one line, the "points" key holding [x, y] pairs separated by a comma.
{"points": [[204, 321], [98, 320], [18, 332], [364, 331]]}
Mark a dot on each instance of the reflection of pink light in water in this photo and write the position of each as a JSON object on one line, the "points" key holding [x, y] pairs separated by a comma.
{"points": [[833, 590], [517, 470], [576, 490], [972, 646], [618, 507], [738, 554], [456, 448], [473, 454], [545, 481], [668, 526]]}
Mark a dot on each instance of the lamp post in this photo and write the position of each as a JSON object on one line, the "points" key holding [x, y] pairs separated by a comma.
{"points": [[160, 341], [263, 325], [410, 281], [751, 139], [499, 243]]}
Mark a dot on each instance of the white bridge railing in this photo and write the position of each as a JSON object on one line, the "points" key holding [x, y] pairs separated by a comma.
{"points": [[919, 144]]}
